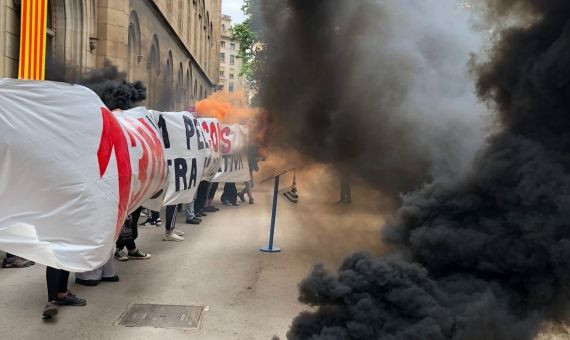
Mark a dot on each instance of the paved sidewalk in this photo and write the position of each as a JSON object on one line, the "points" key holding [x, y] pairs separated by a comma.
{"points": [[250, 295]]}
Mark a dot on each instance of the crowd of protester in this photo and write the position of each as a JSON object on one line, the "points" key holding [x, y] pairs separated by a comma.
{"points": [[126, 248]]}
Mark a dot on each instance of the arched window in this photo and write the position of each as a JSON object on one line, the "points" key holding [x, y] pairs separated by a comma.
{"points": [[167, 100], [201, 38], [71, 27], [153, 73], [187, 89], [189, 83], [134, 44], [169, 71], [180, 88]]}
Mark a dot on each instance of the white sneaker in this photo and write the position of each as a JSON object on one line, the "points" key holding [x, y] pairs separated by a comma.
{"points": [[172, 237], [178, 232]]}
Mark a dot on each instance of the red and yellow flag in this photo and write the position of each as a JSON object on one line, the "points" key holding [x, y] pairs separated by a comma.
{"points": [[33, 40]]}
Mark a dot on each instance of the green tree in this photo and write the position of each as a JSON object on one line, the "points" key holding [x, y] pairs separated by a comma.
{"points": [[244, 35], [248, 35]]}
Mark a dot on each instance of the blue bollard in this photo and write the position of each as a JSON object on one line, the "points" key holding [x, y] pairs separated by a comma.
{"points": [[270, 248]]}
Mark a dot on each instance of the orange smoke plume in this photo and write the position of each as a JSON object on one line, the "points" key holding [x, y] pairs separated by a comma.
{"points": [[228, 107], [232, 108]]}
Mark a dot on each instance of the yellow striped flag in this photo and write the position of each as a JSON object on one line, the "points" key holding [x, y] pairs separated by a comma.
{"points": [[33, 40]]}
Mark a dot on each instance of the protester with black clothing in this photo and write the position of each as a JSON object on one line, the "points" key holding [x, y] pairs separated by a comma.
{"points": [[58, 294], [230, 194], [212, 188], [127, 238], [201, 199]]}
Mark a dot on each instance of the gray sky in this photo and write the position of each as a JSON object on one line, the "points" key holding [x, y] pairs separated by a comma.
{"points": [[233, 9]]}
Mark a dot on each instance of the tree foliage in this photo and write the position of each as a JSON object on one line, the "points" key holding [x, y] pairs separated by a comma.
{"points": [[247, 36], [244, 35]]}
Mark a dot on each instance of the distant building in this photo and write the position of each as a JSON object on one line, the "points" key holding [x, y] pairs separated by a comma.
{"points": [[172, 46], [230, 64]]}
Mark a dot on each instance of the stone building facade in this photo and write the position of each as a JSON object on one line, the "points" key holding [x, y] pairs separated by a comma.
{"points": [[172, 46], [230, 64]]}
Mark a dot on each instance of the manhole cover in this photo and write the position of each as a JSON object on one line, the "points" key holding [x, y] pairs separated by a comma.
{"points": [[162, 316]]}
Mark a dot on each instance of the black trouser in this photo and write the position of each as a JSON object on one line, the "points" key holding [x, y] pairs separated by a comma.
{"points": [[201, 196], [230, 193], [10, 256], [56, 282], [212, 190], [171, 211], [154, 215], [132, 224]]}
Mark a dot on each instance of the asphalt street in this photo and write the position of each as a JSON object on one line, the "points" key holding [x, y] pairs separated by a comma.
{"points": [[247, 294]]}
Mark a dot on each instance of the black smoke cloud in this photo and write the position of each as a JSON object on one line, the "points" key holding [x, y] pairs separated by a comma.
{"points": [[486, 254], [112, 87], [373, 86]]}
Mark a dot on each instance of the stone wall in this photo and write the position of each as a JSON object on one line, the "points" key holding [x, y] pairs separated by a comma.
{"points": [[170, 45]]}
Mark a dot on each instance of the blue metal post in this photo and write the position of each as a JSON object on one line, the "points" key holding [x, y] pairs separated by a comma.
{"points": [[270, 248]]}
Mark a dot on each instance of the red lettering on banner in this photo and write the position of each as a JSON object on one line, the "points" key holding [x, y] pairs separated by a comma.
{"points": [[214, 136], [227, 144], [143, 176], [157, 150], [132, 138], [207, 131], [152, 153], [145, 182], [113, 140]]}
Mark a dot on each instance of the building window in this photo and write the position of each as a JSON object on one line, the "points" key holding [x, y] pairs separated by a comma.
{"points": [[223, 44], [232, 46], [222, 73], [231, 87], [223, 28], [223, 57], [231, 76], [232, 59]]}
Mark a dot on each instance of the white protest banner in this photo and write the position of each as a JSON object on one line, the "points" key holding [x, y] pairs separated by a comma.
{"points": [[70, 171], [233, 145], [147, 148], [211, 128], [184, 145]]}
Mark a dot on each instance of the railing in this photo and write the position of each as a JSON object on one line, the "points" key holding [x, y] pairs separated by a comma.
{"points": [[270, 248]]}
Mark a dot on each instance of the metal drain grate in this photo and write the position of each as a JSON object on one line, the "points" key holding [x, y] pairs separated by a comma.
{"points": [[162, 316]]}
